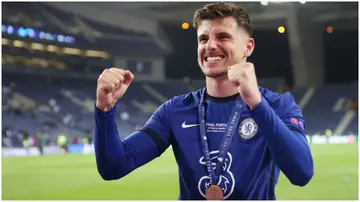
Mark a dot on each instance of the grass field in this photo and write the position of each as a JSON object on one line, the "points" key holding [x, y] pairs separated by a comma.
{"points": [[75, 177]]}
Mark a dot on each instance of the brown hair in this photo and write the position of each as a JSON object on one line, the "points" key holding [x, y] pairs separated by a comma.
{"points": [[221, 10]]}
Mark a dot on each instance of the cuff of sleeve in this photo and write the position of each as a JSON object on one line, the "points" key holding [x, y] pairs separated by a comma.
{"points": [[260, 109], [101, 114]]}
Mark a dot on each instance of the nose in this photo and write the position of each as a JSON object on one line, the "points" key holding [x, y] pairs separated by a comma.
{"points": [[211, 45]]}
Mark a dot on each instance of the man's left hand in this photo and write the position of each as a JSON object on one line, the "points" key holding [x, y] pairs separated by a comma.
{"points": [[244, 77]]}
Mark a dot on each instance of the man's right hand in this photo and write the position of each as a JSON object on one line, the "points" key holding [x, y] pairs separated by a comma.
{"points": [[112, 85]]}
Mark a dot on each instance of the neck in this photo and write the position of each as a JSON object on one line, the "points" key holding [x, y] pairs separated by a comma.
{"points": [[220, 87]]}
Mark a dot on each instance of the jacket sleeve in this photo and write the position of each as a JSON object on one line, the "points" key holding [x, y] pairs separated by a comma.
{"points": [[286, 139], [115, 158]]}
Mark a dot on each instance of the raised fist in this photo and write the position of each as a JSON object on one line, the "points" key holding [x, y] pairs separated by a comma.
{"points": [[244, 77], [111, 86]]}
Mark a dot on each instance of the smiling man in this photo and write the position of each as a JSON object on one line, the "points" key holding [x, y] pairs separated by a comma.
{"points": [[230, 139]]}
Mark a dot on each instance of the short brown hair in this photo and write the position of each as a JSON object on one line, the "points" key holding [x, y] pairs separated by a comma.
{"points": [[221, 10]]}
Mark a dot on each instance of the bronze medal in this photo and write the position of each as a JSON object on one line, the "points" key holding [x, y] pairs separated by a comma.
{"points": [[214, 192]]}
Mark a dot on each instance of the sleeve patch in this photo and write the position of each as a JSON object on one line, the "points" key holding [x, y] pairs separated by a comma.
{"points": [[297, 122]]}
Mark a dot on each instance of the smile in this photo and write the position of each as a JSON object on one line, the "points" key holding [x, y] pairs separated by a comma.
{"points": [[214, 58]]}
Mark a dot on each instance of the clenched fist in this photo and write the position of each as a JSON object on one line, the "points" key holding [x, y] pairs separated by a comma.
{"points": [[112, 85], [243, 75]]}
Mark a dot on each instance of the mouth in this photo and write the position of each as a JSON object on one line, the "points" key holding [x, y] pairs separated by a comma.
{"points": [[213, 59]]}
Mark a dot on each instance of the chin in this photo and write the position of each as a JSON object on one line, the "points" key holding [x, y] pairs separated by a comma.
{"points": [[215, 73], [214, 69]]}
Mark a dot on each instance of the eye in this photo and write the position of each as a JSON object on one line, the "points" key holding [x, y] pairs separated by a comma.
{"points": [[203, 40], [223, 37]]}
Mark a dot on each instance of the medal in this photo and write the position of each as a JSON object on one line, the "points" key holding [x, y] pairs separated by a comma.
{"points": [[214, 192]]}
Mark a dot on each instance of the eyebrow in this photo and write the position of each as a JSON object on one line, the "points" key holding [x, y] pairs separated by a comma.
{"points": [[224, 33], [202, 36], [220, 33]]}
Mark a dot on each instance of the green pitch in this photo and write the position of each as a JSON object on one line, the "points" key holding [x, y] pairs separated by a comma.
{"points": [[75, 177]]}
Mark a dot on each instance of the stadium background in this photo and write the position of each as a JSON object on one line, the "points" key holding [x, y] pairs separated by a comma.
{"points": [[52, 54]]}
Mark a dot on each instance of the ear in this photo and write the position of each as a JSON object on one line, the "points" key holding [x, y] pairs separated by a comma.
{"points": [[250, 45]]}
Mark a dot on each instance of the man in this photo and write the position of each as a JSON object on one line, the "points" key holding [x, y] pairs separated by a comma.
{"points": [[63, 142], [26, 141], [230, 139], [42, 137]]}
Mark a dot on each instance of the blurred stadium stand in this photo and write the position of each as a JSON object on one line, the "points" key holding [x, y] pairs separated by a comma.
{"points": [[51, 59]]}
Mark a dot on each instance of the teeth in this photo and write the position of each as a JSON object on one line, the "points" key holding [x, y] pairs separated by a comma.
{"points": [[213, 59]]}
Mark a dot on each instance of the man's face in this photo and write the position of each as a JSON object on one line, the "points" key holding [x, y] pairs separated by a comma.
{"points": [[221, 43]]}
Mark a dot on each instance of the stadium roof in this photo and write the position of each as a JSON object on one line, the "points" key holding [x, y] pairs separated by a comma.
{"points": [[342, 15]]}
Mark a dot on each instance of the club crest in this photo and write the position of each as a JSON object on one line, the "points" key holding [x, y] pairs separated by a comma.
{"points": [[248, 128]]}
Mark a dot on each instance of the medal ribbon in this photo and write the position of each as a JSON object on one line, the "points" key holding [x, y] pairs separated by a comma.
{"points": [[226, 142]]}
